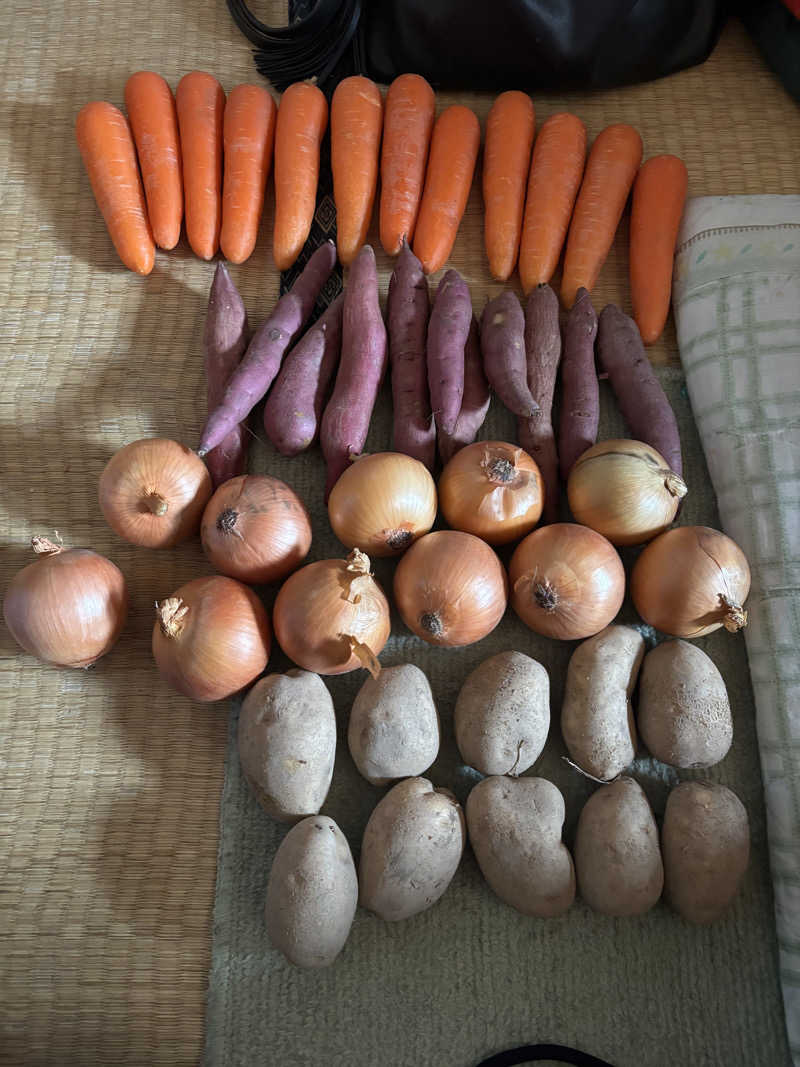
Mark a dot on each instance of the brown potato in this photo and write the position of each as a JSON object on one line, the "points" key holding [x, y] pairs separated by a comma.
{"points": [[617, 858], [597, 715], [312, 893], [411, 848], [515, 831], [706, 844], [287, 743], [684, 716], [394, 726], [502, 715]]}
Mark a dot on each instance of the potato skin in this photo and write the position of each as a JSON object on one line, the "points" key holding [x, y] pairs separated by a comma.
{"points": [[617, 858], [394, 726], [502, 715], [411, 848], [287, 743], [515, 831], [705, 840], [597, 715], [312, 893], [684, 714]]}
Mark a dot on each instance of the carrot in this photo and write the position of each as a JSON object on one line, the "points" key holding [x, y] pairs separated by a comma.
{"points": [[455, 142], [659, 194], [201, 105], [559, 154], [407, 125], [506, 161], [610, 170], [248, 133], [356, 124], [299, 128], [108, 153], [154, 122]]}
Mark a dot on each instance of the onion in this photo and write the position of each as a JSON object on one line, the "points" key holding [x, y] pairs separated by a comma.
{"points": [[331, 616], [450, 588], [690, 581], [624, 490], [567, 581], [68, 606], [152, 492], [382, 503], [211, 638], [255, 528], [493, 490]]}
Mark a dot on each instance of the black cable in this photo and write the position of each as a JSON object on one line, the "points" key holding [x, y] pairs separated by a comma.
{"points": [[530, 1053]]}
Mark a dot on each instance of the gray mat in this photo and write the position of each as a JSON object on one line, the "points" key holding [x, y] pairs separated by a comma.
{"points": [[471, 976]]}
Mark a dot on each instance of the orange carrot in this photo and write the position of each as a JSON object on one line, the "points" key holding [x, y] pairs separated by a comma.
{"points": [[201, 105], [154, 121], [300, 126], [106, 146], [506, 161], [659, 194], [455, 142], [559, 154], [407, 125], [610, 170], [248, 133], [356, 124]]}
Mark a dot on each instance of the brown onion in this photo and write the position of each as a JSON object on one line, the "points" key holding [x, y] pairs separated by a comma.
{"points": [[567, 581], [382, 503], [211, 638], [331, 616], [152, 492], [450, 588], [493, 490], [690, 581], [624, 490], [68, 606], [255, 528]]}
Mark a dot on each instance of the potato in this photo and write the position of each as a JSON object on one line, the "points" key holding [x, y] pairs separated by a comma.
{"points": [[287, 743], [515, 831], [705, 839], [394, 726], [502, 714], [684, 716], [411, 848], [596, 716], [312, 893], [617, 858]]}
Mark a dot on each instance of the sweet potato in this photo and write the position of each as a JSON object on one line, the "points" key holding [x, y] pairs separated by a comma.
{"points": [[503, 348], [543, 354], [224, 339], [295, 402], [407, 312], [448, 329], [345, 422], [580, 393], [255, 374], [474, 402], [642, 401]]}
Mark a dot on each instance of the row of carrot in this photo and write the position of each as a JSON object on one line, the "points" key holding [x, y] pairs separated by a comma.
{"points": [[211, 157]]}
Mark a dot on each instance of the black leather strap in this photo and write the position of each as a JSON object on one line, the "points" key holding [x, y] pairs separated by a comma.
{"points": [[532, 1053]]}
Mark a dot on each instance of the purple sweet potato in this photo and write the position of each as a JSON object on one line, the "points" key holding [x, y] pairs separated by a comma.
{"points": [[503, 348], [543, 354], [224, 339], [580, 393], [475, 402], [255, 374], [642, 402], [345, 422], [407, 311], [294, 406], [448, 329]]}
